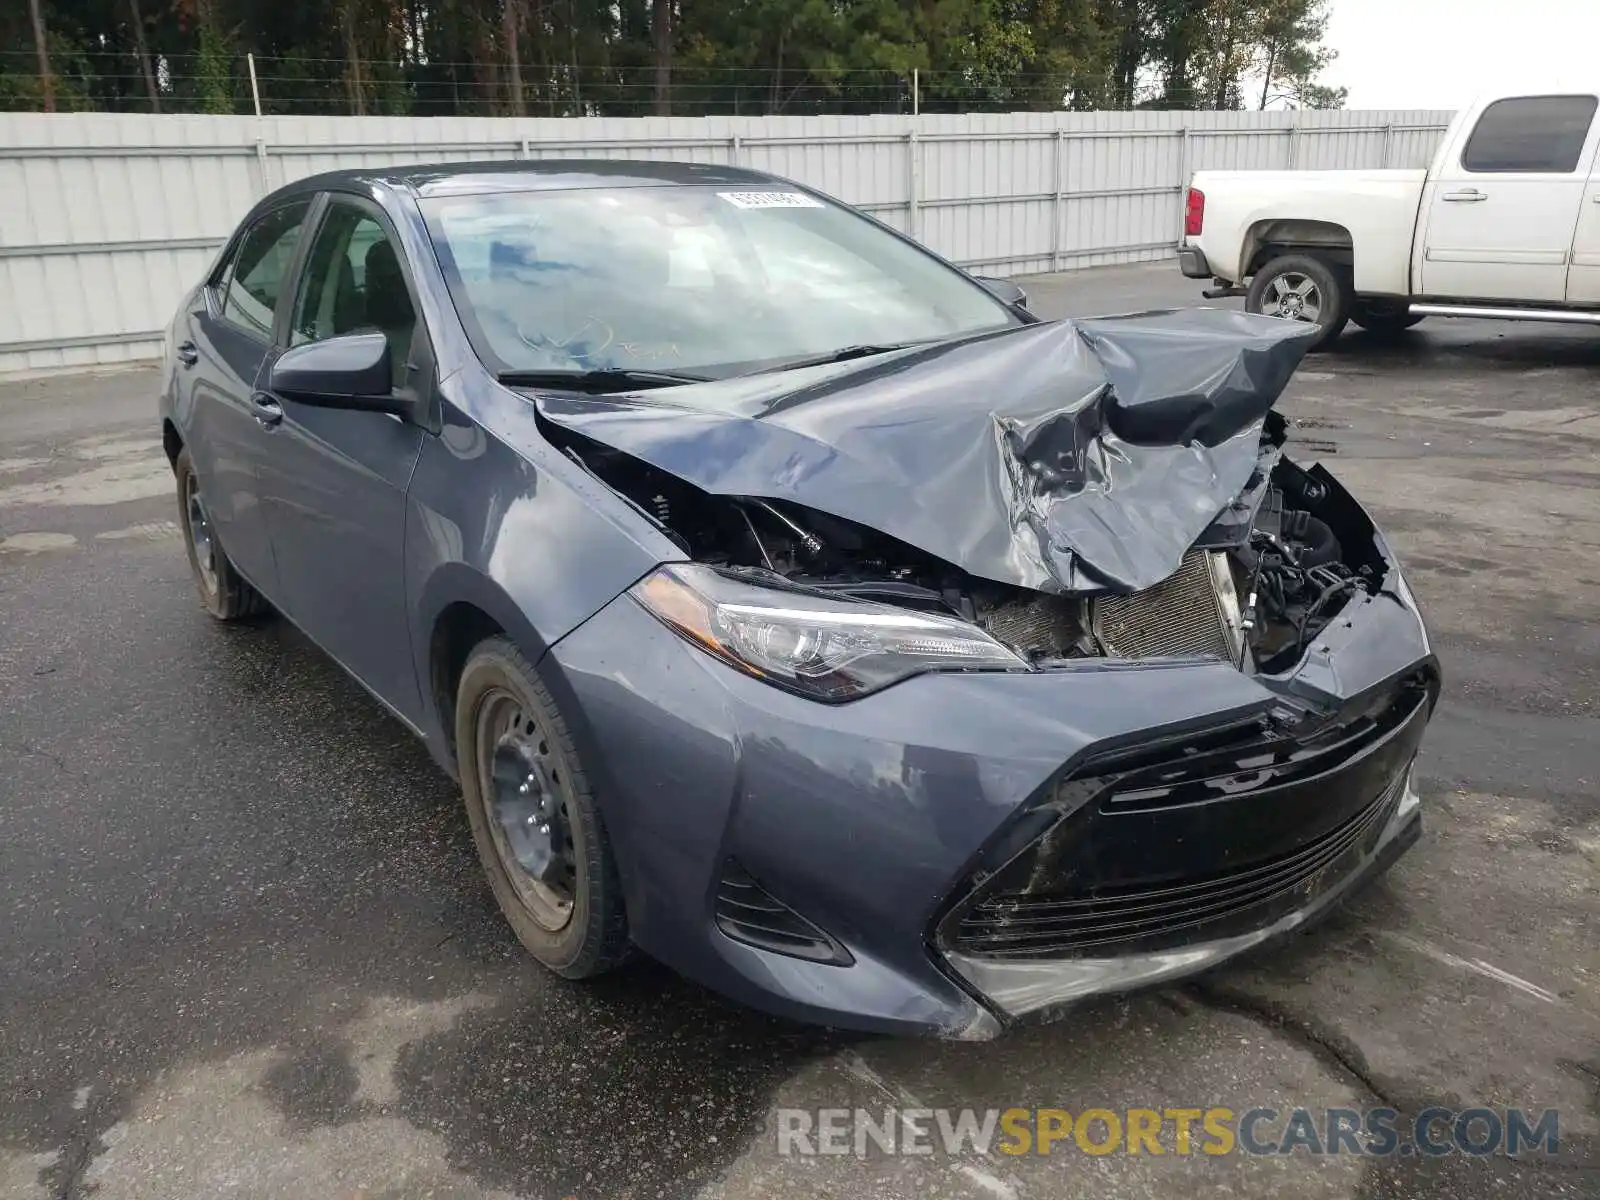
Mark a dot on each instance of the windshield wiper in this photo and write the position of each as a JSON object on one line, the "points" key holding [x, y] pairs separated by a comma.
{"points": [[836, 356], [599, 379]]}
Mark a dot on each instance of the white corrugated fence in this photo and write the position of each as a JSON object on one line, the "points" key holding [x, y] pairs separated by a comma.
{"points": [[106, 219]]}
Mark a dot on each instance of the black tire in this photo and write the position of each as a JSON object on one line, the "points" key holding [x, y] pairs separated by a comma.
{"points": [[507, 723], [1295, 286], [223, 591], [1380, 320]]}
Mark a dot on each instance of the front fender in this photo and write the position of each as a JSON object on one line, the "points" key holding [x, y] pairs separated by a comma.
{"points": [[505, 528]]}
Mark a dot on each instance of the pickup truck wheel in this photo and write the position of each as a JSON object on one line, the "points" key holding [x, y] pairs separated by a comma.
{"points": [[1383, 320], [534, 818], [1299, 287]]}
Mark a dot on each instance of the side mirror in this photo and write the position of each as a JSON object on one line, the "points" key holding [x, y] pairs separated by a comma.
{"points": [[352, 371], [1004, 291]]}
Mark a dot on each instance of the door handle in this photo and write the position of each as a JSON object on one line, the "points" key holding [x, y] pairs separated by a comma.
{"points": [[188, 354], [1466, 196], [268, 412]]}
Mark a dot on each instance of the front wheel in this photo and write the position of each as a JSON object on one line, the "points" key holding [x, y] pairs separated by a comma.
{"points": [[1300, 287], [534, 819]]}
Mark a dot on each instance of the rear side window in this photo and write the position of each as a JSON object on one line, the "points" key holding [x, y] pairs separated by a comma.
{"points": [[1543, 134], [254, 280]]}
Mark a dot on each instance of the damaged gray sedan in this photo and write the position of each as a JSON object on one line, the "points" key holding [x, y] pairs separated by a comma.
{"points": [[789, 604]]}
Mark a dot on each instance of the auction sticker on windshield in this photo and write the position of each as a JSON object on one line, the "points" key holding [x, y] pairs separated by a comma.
{"points": [[769, 200]]}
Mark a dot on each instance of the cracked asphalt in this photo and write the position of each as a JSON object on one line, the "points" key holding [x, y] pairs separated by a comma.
{"points": [[246, 950]]}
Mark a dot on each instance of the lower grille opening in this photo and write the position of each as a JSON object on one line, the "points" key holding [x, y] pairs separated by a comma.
{"points": [[748, 913], [1013, 927], [1199, 836]]}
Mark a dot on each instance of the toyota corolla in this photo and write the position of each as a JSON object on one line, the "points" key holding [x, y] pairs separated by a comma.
{"points": [[790, 604]]}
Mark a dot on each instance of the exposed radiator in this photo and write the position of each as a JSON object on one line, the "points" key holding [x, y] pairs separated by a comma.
{"points": [[1194, 611]]}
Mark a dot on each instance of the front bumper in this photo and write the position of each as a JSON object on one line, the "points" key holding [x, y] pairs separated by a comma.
{"points": [[1192, 262], [876, 821], [1021, 989]]}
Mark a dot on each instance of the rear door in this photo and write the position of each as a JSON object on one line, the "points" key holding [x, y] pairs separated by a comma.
{"points": [[230, 337], [1501, 212], [333, 480], [1583, 278]]}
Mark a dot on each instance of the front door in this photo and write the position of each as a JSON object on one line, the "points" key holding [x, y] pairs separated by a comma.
{"points": [[1583, 277], [229, 338], [334, 481], [1500, 215]]}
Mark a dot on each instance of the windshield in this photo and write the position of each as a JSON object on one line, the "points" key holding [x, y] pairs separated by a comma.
{"points": [[694, 279]]}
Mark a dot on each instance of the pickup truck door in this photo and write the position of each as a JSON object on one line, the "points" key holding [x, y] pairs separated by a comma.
{"points": [[1583, 278], [1503, 203]]}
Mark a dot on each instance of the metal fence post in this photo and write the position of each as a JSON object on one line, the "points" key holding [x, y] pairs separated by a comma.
{"points": [[261, 159], [255, 90], [1388, 144], [261, 129], [736, 151], [1294, 142], [1184, 172], [1059, 211], [913, 184]]}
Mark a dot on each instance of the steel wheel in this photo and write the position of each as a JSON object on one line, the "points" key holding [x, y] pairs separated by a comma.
{"points": [[526, 809], [1294, 297], [200, 536]]}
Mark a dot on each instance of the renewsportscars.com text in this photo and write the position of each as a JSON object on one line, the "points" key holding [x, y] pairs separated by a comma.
{"points": [[1212, 1131]]}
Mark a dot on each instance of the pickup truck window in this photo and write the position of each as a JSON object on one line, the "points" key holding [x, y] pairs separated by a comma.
{"points": [[1541, 134]]}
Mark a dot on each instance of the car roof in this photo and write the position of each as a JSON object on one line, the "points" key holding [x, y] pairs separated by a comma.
{"points": [[529, 175]]}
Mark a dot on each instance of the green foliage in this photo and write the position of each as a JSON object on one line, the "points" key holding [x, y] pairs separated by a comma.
{"points": [[578, 57], [214, 72]]}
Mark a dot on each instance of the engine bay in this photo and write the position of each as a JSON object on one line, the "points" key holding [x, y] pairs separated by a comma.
{"points": [[1262, 583]]}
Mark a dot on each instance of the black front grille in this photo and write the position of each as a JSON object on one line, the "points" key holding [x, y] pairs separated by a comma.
{"points": [[1251, 757], [1018, 927], [748, 913], [1198, 837]]}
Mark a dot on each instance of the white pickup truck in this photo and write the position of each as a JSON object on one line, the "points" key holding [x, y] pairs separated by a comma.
{"points": [[1504, 224]]}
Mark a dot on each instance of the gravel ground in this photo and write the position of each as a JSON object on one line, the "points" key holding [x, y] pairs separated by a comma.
{"points": [[247, 951]]}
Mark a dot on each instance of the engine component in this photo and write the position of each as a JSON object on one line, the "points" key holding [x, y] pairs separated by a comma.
{"points": [[1183, 615], [1296, 572], [1038, 626]]}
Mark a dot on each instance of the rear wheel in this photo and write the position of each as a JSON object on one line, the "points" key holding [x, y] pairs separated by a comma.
{"points": [[223, 591], [1383, 319], [534, 819], [1302, 287]]}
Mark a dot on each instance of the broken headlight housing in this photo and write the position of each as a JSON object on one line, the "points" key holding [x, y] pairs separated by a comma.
{"points": [[822, 647]]}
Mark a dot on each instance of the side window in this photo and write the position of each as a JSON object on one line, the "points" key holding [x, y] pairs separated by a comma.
{"points": [[1543, 134], [353, 284], [251, 283]]}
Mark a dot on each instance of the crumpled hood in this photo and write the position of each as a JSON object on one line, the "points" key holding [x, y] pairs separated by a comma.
{"points": [[1066, 456]]}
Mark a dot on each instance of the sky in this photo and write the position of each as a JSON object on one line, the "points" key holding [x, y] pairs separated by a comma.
{"points": [[1440, 53]]}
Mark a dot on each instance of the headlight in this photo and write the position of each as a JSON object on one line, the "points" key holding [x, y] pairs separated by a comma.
{"points": [[824, 648]]}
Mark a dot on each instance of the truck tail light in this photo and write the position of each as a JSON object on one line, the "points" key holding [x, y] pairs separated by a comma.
{"points": [[1194, 213]]}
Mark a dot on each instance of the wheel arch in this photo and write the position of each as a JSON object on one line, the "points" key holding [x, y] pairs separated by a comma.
{"points": [[1271, 238], [460, 607], [171, 441]]}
